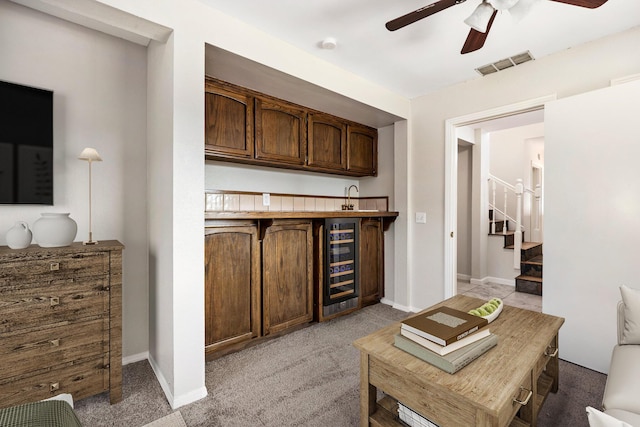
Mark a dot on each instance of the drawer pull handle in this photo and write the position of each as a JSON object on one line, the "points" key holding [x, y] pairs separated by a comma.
{"points": [[54, 301], [54, 266], [55, 343], [551, 352], [525, 401], [54, 387]]}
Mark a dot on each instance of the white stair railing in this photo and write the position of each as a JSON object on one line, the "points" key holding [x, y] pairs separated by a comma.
{"points": [[519, 191]]}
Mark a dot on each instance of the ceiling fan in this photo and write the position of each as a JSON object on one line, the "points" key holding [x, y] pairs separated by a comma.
{"points": [[482, 18]]}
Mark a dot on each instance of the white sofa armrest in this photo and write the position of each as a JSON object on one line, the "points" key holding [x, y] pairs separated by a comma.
{"points": [[620, 321]]}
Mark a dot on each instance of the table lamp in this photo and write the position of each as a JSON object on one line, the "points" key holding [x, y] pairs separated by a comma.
{"points": [[90, 155]]}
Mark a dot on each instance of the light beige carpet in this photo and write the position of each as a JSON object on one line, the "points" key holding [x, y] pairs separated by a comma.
{"points": [[172, 420]]}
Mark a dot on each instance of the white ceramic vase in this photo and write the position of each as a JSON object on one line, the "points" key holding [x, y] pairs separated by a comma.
{"points": [[52, 230], [19, 236]]}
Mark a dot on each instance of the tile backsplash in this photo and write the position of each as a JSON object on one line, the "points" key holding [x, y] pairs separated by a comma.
{"points": [[243, 202]]}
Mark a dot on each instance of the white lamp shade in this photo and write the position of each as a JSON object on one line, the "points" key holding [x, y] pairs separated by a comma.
{"points": [[521, 9], [90, 155], [480, 17]]}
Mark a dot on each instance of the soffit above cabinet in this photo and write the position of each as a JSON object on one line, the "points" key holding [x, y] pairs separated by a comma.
{"points": [[244, 72]]}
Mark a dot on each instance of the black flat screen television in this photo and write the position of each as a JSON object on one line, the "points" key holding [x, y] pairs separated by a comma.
{"points": [[26, 145]]}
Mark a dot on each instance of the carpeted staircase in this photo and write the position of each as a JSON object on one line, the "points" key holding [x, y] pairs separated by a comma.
{"points": [[530, 279]]}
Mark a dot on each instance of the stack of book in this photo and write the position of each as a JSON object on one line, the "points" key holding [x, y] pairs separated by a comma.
{"points": [[447, 338]]}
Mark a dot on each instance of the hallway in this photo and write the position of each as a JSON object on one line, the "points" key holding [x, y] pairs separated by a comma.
{"points": [[507, 293]]}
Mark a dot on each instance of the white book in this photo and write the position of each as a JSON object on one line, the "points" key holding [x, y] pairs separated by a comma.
{"points": [[442, 350]]}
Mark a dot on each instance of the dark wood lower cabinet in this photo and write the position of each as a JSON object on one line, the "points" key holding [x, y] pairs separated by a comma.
{"points": [[287, 275], [232, 286], [260, 281], [371, 261]]}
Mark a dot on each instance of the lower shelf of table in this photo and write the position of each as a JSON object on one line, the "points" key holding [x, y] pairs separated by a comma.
{"points": [[387, 408]]}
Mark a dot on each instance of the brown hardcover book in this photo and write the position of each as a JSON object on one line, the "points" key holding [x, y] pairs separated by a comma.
{"points": [[444, 325]]}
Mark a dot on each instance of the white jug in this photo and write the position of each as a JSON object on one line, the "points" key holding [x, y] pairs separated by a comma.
{"points": [[19, 236]]}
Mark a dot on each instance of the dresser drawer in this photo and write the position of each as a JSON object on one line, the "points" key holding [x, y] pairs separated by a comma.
{"points": [[549, 352], [521, 397], [21, 353], [81, 379], [33, 305], [44, 269]]}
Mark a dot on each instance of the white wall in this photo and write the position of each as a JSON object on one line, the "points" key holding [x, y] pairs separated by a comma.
{"points": [[574, 71], [99, 85], [176, 170], [465, 162], [593, 216]]}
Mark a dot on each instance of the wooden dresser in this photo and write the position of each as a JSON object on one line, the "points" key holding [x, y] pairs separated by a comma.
{"points": [[60, 322]]}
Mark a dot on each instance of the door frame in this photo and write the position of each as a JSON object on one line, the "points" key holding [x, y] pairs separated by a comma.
{"points": [[451, 177]]}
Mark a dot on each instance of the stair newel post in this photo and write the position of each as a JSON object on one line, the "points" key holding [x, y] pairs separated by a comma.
{"points": [[493, 219], [538, 198], [517, 238], [504, 221]]}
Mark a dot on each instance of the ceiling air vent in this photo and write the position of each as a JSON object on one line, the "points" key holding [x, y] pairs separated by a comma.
{"points": [[505, 63]]}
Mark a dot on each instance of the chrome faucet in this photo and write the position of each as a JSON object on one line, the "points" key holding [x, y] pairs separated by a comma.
{"points": [[349, 206]]}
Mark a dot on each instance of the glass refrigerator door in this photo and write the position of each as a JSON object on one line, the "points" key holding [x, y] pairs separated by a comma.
{"points": [[341, 284]]}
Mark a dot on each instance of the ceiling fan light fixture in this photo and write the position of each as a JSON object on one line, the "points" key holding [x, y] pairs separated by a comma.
{"points": [[503, 4], [479, 19], [521, 9]]}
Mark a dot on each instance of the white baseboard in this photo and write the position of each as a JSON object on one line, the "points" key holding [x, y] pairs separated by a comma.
{"points": [[135, 358], [394, 305], [464, 277], [176, 401], [489, 279]]}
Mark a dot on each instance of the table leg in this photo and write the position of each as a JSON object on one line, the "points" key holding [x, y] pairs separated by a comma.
{"points": [[367, 391], [553, 367]]}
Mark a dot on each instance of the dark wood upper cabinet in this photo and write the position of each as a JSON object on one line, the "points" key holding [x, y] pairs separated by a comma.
{"points": [[363, 150], [245, 126], [327, 142], [280, 132], [228, 123]]}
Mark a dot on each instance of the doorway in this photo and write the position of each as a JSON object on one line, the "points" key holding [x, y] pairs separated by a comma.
{"points": [[453, 128]]}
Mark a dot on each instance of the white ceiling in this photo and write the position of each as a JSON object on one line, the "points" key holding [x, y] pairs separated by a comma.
{"points": [[425, 56]]}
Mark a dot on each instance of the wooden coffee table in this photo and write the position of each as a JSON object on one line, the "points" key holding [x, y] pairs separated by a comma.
{"points": [[504, 387]]}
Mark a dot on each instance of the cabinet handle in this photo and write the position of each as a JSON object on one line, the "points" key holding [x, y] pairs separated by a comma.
{"points": [[55, 343], [54, 301], [551, 352], [54, 386], [54, 266], [525, 401]]}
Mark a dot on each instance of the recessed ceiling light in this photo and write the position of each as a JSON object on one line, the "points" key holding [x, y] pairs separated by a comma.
{"points": [[329, 43]]}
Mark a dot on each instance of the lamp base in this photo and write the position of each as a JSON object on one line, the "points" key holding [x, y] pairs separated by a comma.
{"points": [[90, 242]]}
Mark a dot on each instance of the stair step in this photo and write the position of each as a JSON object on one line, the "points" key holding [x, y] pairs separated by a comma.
{"points": [[536, 260], [529, 285], [525, 245], [529, 278]]}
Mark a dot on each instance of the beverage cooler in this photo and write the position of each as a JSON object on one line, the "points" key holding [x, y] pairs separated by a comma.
{"points": [[341, 287]]}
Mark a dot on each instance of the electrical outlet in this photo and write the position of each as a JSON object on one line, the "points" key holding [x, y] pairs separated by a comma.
{"points": [[421, 217], [266, 199]]}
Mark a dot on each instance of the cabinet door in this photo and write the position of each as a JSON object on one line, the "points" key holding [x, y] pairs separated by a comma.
{"points": [[232, 286], [287, 271], [362, 143], [228, 124], [327, 142], [371, 260], [280, 132]]}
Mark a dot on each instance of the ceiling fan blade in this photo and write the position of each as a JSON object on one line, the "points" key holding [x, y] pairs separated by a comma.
{"points": [[591, 4], [421, 13], [475, 39]]}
